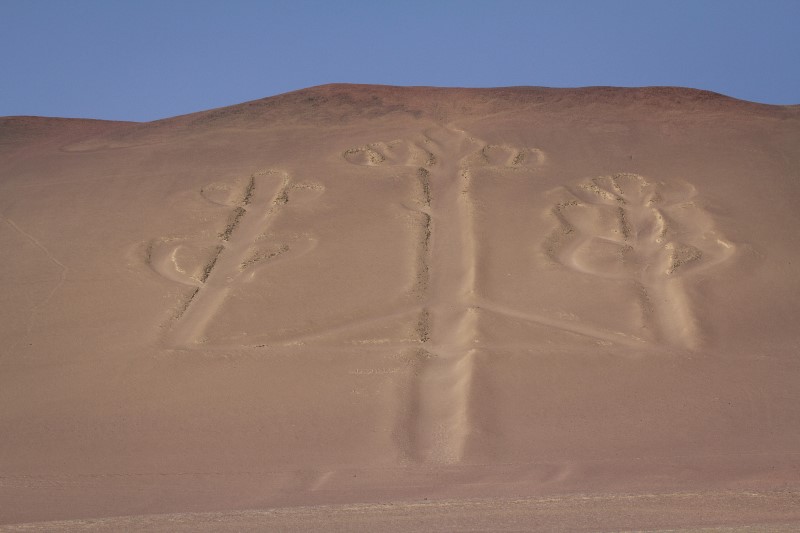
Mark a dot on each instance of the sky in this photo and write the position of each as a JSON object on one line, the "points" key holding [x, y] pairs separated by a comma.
{"points": [[144, 60]]}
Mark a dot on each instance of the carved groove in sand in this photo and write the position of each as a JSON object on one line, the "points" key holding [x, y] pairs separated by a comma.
{"points": [[442, 164], [621, 227], [649, 235], [440, 371], [211, 268]]}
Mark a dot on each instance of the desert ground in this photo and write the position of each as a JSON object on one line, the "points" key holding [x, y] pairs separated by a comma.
{"points": [[365, 307]]}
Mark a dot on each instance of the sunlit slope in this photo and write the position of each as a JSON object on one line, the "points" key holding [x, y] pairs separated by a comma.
{"points": [[360, 294]]}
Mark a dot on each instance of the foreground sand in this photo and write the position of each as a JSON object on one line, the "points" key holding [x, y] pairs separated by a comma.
{"points": [[708, 512], [531, 307]]}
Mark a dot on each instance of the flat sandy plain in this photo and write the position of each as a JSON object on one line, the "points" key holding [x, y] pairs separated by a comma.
{"points": [[366, 307]]}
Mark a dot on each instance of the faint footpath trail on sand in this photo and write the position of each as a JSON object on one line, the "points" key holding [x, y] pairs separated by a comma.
{"points": [[62, 268]]}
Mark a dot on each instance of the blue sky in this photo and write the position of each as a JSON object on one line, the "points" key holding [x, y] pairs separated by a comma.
{"points": [[143, 60]]}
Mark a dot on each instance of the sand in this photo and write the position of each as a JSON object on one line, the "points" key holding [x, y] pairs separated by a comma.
{"points": [[369, 307]]}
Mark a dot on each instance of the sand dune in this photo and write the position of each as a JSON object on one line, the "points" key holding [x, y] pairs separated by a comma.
{"points": [[518, 308]]}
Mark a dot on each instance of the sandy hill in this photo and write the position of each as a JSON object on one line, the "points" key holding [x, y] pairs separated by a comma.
{"points": [[380, 307]]}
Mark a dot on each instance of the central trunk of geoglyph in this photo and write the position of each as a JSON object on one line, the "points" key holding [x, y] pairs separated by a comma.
{"points": [[444, 388]]}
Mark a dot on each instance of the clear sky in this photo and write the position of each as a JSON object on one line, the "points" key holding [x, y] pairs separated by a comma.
{"points": [[143, 59]]}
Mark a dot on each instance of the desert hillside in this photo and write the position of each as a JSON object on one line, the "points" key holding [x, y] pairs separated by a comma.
{"points": [[447, 300]]}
